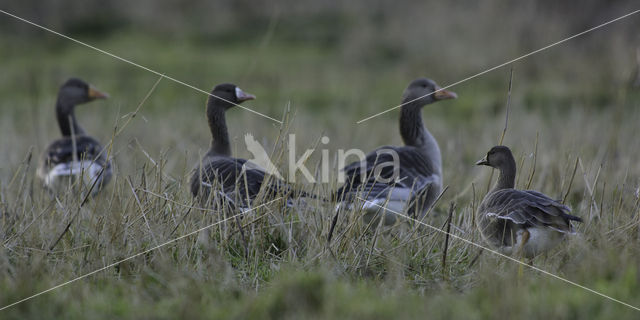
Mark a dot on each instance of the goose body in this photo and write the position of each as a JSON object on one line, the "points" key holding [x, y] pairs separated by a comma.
{"points": [[232, 179], [523, 221], [76, 157], [418, 183], [398, 178]]}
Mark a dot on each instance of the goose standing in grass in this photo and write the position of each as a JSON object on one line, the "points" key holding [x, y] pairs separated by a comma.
{"points": [[76, 153], [526, 222], [399, 177], [238, 182]]}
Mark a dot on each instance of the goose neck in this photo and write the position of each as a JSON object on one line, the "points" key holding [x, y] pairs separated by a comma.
{"points": [[415, 134], [219, 132], [67, 119], [412, 127], [507, 176]]}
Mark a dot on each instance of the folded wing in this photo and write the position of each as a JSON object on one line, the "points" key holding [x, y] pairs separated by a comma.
{"points": [[528, 208]]}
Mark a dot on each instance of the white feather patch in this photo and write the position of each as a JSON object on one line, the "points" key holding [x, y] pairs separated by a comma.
{"points": [[540, 240], [90, 172]]}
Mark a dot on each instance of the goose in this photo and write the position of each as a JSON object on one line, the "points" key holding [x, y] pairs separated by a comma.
{"points": [[76, 153], [399, 177], [524, 222], [238, 181]]}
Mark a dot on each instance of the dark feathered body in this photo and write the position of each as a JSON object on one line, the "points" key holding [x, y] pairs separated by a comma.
{"points": [[506, 213], [418, 164], [238, 184], [527, 220], [418, 183], [76, 157], [62, 161], [231, 181]]}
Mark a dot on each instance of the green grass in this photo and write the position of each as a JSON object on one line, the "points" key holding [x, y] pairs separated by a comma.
{"points": [[290, 272]]}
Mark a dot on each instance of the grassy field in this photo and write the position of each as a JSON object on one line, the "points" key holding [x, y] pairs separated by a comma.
{"points": [[573, 127]]}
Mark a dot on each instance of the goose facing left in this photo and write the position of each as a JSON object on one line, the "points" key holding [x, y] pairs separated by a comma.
{"points": [[76, 153], [524, 222]]}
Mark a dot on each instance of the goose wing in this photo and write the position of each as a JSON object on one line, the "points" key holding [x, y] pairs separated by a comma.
{"points": [[376, 172], [528, 208], [235, 178]]}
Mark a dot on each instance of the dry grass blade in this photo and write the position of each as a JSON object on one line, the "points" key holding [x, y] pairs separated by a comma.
{"points": [[452, 207], [142, 209], [144, 100], [506, 123], [533, 166], [64, 231], [507, 108], [575, 169]]}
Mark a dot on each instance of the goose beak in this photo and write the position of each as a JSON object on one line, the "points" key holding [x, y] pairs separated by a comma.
{"points": [[96, 94], [442, 94], [482, 162], [243, 96]]}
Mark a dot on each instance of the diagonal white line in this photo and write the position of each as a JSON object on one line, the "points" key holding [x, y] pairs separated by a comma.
{"points": [[133, 63], [133, 256], [503, 64], [506, 256]]}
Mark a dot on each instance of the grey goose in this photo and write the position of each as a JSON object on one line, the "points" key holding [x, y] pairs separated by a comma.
{"points": [[76, 154], [233, 180], [418, 174], [524, 222]]}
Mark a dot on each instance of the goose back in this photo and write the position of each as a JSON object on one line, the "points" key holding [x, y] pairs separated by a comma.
{"points": [[526, 208], [415, 174], [63, 159]]}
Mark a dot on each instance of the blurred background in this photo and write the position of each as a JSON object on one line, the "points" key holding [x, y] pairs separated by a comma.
{"points": [[324, 56]]}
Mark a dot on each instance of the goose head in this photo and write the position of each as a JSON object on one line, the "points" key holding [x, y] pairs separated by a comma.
{"points": [[498, 157], [76, 91], [423, 91], [227, 95]]}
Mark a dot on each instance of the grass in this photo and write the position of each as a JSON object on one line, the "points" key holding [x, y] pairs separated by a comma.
{"points": [[585, 132]]}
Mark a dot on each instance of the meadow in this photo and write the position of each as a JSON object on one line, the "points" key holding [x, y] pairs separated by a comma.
{"points": [[573, 124]]}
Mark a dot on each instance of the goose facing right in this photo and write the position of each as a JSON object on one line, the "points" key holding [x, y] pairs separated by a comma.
{"points": [[76, 154], [525, 222], [399, 178], [235, 180]]}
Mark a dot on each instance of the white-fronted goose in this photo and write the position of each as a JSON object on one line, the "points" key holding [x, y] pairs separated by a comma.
{"points": [[237, 183], [419, 172], [526, 222], [75, 153]]}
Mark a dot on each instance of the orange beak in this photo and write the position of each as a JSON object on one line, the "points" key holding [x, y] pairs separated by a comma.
{"points": [[97, 94], [442, 94]]}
